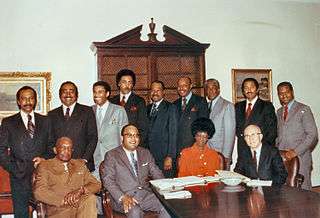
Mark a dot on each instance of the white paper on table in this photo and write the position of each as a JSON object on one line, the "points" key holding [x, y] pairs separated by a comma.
{"points": [[209, 179], [256, 182], [176, 183], [230, 174], [177, 195]]}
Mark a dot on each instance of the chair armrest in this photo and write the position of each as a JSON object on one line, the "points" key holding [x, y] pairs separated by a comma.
{"points": [[106, 203], [299, 180]]}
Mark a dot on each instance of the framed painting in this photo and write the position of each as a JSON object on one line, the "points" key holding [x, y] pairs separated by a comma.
{"points": [[263, 76], [11, 82]]}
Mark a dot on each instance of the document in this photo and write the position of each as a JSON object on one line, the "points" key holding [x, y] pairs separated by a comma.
{"points": [[230, 174], [257, 182], [177, 195]]}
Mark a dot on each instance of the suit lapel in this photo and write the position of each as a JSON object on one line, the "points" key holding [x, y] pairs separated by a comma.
{"points": [[124, 158], [21, 128], [217, 107], [293, 110], [263, 156], [107, 115]]}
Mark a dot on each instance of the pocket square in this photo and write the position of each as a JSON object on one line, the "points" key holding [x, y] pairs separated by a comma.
{"points": [[145, 164], [194, 109]]}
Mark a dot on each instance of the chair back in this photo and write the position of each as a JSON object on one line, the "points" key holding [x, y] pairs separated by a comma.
{"points": [[6, 205], [292, 167]]}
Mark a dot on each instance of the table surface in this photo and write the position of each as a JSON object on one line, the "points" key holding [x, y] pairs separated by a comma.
{"points": [[218, 200]]}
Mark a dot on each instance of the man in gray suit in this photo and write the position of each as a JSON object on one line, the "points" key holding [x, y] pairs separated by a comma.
{"points": [[110, 120], [297, 130], [126, 173], [222, 114]]}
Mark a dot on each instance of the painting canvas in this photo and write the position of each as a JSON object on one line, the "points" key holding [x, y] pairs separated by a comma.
{"points": [[263, 76], [11, 82]]}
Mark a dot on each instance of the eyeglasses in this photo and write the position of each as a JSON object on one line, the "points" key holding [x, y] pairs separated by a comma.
{"points": [[132, 135], [252, 135]]}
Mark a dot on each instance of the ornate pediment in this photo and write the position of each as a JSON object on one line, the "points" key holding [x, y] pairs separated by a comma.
{"points": [[132, 39]]}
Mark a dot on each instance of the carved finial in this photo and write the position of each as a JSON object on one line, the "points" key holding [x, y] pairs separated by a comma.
{"points": [[152, 35]]}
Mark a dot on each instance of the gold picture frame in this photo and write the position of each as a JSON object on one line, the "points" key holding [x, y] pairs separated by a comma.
{"points": [[10, 82], [263, 76]]}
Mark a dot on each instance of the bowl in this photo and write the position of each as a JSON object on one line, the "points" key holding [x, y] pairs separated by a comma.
{"points": [[231, 181]]}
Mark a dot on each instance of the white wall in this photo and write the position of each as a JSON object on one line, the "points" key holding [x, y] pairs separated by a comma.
{"points": [[47, 35]]}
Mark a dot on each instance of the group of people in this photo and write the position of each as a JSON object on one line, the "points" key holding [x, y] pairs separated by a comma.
{"points": [[136, 142]]}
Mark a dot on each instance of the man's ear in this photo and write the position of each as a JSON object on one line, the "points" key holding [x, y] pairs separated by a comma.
{"points": [[108, 94], [261, 137], [55, 150]]}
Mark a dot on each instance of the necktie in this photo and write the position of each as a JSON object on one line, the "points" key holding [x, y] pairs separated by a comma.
{"points": [[285, 113], [99, 116], [184, 103], [134, 164], [248, 111], [30, 126], [67, 115], [209, 106], [123, 102], [153, 109], [254, 159]]}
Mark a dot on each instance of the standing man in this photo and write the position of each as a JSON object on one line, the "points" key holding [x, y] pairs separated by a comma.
{"points": [[134, 105], [162, 131], [25, 141], [222, 114], [65, 185], [75, 121], [297, 131], [110, 120], [127, 170], [253, 110], [190, 107]]}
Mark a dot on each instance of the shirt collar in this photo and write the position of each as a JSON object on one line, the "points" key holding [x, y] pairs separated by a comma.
{"points": [[71, 107], [253, 101], [126, 96], [129, 152], [158, 103], [104, 107], [188, 96], [24, 117], [290, 104]]}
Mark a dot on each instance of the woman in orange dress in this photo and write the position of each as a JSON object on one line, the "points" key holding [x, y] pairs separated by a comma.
{"points": [[199, 159]]}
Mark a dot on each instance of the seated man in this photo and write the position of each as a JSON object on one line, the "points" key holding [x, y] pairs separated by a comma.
{"points": [[127, 169], [199, 159], [66, 185], [260, 161]]}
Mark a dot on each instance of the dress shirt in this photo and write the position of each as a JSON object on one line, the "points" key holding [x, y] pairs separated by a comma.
{"points": [[103, 109], [290, 104], [25, 120], [187, 98], [214, 101], [252, 103], [258, 152], [126, 96], [129, 156], [71, 107]]}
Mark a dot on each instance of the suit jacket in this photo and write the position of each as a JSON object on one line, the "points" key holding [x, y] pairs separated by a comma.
{"points": [[137, 114], [270, 165], [119, 178], [14, 135], [53, 182], [162, 132], [298, 132], [81, 127], [262, 114], [223, 117], [109, 132], [196, 108]]}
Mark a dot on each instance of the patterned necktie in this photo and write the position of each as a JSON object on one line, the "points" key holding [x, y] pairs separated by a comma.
{"points": [[67, 115], [99, 116], [254, 159], [184, 103], [248, 111], [285, 113], [153, 110], [123, 101], [134, 163], [30, 126]]}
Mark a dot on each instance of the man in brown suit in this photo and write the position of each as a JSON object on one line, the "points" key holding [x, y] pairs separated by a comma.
{"points": [[66, 185]]}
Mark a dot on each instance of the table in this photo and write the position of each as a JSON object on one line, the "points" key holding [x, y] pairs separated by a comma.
{"points": [[218, 200]]}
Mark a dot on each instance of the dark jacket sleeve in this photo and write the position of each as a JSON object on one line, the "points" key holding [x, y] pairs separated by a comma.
{"points": [[270, 124], [142, 121], [92, 134], [173, 131], [279, 172]]}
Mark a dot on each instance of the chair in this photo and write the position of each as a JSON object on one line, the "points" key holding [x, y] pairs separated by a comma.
{"points": [[106, 203], [38, 206], [294, 179], [222, 161], [6, 205]]}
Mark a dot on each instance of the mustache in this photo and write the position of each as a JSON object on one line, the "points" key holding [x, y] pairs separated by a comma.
{"points": [[27, 105]]}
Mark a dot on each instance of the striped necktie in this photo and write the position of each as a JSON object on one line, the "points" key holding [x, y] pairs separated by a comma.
{"points": [[31, 126]]}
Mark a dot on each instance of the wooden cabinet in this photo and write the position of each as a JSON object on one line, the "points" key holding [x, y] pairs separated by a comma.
{"points": [[178, 55]]}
